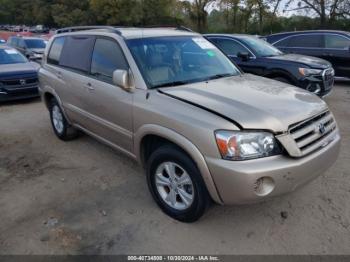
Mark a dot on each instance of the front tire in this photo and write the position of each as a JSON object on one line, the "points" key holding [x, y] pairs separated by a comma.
{"points": [[176, 184], [62, 129]]}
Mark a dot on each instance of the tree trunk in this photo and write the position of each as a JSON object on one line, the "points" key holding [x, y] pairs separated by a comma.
{"points": [[323, 17], [261, 11]]}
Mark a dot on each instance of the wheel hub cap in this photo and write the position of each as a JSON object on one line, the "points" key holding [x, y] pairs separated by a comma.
{"points": [[57, 119], [174, 185]]}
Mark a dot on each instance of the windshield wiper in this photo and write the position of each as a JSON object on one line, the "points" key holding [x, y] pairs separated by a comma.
{"points": [[177, 83], [217, 76], [174, 83]]}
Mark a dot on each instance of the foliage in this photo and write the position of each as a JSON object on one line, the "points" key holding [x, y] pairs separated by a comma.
{"points": [[239, 16]]}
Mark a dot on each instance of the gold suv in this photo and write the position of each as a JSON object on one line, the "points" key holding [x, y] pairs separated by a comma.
{"points": [[201, 128]]}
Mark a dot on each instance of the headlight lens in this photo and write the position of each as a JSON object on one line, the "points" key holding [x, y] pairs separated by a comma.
{"points": [[309, 71], [237, 145]]}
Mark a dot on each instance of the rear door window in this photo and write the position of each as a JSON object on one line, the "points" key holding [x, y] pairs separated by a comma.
{"points": [[76, 52], [308, 41], [106, 58], [337, 42], [55, 51]]}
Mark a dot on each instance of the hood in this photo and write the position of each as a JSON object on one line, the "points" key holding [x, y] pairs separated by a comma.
{"points": [[20, 68], [307, 60], [252, 102]]}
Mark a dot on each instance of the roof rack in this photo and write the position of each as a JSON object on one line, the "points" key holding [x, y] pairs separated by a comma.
{"points": [[176, 27], [183, 28], [82, 28], [116, 30]]}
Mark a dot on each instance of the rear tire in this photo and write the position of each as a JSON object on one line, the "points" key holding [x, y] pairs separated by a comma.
{"points": [[176, 184], [62, 129]]}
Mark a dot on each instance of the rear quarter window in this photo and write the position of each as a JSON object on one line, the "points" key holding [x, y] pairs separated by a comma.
{"points": [[337, 42], [55, 51]]}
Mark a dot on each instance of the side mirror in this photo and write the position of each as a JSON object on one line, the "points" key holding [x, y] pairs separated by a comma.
{"points": [[244, 56], [121, 78]]}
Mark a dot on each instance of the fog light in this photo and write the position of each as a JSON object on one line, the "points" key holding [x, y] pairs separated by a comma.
{"points": [[314, 88], [264, 186]]}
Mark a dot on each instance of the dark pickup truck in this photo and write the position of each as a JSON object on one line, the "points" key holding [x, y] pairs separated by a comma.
{"points": [[18, 76], [258, 57]]}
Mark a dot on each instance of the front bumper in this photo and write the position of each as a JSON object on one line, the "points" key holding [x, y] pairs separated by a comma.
{"points": [[321, 85], [236, 181], [19, 94]]}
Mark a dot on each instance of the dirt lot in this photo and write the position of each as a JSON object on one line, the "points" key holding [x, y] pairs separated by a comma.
{"points": [[81, 197]]}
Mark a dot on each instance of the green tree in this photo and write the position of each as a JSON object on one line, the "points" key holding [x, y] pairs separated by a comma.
{"points": [[70, 12], [116, 12]]}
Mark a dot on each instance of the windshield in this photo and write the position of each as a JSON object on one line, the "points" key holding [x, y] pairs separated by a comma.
{"points": [[171, 61], [35, 43], [261, 47], [11, 56]]}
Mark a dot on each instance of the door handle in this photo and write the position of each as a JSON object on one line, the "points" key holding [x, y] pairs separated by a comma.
{"points": [[59, 75], [89, 86]]}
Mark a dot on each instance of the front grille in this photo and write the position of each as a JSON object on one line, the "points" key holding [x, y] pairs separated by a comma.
{"points": [[328, 78], [19, 83], [313, 133]]}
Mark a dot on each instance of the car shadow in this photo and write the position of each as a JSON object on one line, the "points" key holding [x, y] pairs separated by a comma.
{"points": [[20, 101], [342, 82]]}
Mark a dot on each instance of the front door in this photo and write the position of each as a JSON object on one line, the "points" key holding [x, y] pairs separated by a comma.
{"points": [[108, 106], [232, 48]]}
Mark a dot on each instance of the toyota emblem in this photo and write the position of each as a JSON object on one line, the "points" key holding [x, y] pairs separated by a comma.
{"points": [[321, 128]]}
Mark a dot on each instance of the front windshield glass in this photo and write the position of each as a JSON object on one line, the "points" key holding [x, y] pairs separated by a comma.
{"points": [[11, 56], [171, 61], [261, 47], [35, 43]]}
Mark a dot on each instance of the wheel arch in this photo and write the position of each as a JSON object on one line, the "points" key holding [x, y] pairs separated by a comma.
{"points": [[165, 135], [49, 94], [272, 73]]}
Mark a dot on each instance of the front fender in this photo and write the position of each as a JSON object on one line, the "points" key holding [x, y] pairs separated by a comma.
{"points": [[280, 72], [186, 145]]}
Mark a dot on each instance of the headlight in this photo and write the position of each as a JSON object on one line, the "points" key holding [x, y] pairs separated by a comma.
{"points": [[309, 71], [236, 145]]}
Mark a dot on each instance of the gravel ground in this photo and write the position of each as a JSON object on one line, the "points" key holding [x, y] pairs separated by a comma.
{"points": [[81, 197]]}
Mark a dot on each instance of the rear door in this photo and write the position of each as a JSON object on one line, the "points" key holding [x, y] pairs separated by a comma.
{"points": [[337, 51], [69, 59], [109, 106]]}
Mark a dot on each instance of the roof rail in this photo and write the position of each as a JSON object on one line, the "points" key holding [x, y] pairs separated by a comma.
{"points": [[174, 27], [82, 28], [183, 28]]}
